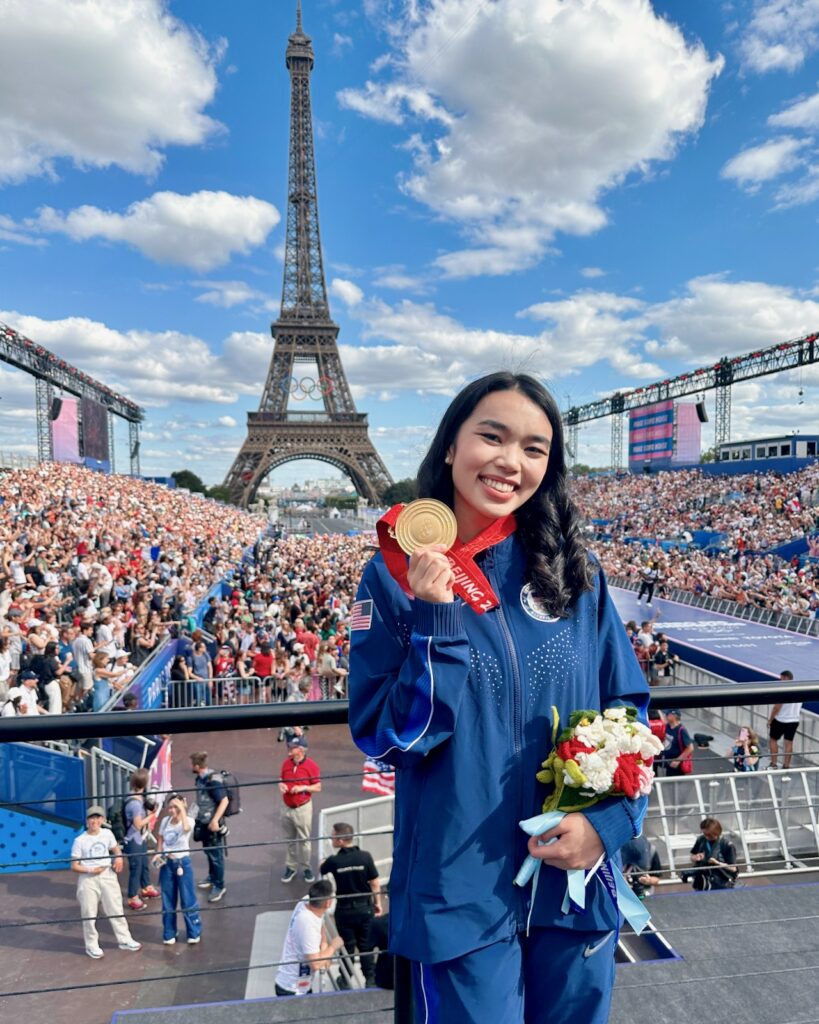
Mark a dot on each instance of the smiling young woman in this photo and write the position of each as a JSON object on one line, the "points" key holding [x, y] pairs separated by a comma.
{"points": [[461, 703]]}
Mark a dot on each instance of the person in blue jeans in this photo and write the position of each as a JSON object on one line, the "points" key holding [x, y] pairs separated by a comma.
{"points": [[202, 676], [176, 881], [210, 830], [135, 846]]}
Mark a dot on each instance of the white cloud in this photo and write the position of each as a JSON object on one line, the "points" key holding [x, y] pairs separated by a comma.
{"points": [[11, 231], [340, 43], [226, 421], [781, 35], [202, 230], [100, 84], [153, 368], [797, 193], [388, 102], [396, 278], [717, 317], [349, 292], [764, 162], [592, 272], [610, 88], [801, 113], [227, 294]]}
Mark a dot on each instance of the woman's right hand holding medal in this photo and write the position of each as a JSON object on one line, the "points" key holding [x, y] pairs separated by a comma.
{"points": [[430, 575]]}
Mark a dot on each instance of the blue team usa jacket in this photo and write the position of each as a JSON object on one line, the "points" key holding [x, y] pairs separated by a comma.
{"points": [[461, 704]]}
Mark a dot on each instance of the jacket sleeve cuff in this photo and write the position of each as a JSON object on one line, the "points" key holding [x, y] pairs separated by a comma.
{"points": [[614, 820], [430, 619]]}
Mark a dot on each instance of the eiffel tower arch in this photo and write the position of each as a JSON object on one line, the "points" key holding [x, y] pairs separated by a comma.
{"points": [[305, 335]]}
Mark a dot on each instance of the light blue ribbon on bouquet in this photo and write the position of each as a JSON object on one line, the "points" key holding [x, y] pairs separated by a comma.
{"points": [[632, 909]]}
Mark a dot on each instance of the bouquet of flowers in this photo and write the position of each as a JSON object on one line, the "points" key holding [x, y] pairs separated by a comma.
{"points": [[598, 754]]}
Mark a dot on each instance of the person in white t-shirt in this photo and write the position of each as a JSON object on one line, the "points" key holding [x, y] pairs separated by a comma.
{"points": [[783, 722], [92, 860], [306, 946], [176, 881]]}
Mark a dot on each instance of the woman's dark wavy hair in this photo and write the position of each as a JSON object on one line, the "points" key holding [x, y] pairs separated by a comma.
{"points": [[549, 525]]}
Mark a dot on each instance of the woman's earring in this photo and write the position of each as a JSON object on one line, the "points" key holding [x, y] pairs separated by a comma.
{"points": [[448, 460]]}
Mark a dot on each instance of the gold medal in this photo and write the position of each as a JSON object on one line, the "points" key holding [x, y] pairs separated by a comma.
{"points": [[424, 522]]}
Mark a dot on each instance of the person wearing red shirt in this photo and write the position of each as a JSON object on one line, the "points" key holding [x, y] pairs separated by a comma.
{"points": [[263, 662], [300, 779]]}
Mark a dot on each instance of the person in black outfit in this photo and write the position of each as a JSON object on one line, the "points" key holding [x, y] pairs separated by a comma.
{"points": [[358, 894], [715, 857]]}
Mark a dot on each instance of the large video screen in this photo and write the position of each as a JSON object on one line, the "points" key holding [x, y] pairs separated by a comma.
{"points": [[651, 435], [65, 432], [688, 443], [94, 430]]}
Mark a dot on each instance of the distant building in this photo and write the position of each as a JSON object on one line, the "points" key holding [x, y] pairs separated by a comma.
{"points": [[797, 447]]}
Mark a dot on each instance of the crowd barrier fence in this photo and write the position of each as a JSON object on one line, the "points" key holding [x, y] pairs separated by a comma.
{"points": [[754, 613]]}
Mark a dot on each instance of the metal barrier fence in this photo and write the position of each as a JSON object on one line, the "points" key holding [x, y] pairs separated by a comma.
{"points": [[108, 776], [751, 612], [228, 691]]}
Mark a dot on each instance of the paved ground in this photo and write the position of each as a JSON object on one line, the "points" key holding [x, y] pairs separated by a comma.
{"points": [[43, 957]]}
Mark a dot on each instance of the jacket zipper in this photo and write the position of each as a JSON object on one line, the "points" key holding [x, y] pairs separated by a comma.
{"points": [[489, 565]]}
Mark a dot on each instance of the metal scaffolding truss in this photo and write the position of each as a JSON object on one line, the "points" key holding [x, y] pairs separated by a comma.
{"points": [[25, 354], [51, 373], [788, 355]]}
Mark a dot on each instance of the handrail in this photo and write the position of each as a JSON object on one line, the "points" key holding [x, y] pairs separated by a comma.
{"points": [[335, 712]]}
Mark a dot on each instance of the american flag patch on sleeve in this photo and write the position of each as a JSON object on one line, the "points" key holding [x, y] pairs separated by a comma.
{"points": [[361, 616]]}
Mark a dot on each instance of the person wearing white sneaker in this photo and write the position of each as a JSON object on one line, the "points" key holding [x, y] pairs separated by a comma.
{"points": [[97, 859], [176, 874]]}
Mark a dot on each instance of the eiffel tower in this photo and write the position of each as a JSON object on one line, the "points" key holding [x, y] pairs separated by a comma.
{"points": [[305, 333]]}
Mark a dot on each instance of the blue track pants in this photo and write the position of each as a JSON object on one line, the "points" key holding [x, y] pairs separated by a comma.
{"points": [[555, 976]]}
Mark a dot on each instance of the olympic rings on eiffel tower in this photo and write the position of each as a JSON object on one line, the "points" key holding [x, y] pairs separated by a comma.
{"points": [[307, 387]]}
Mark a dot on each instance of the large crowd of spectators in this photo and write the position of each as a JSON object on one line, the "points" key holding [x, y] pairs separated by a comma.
{"points": [[95, 571], [283, 631], [645, 525]]}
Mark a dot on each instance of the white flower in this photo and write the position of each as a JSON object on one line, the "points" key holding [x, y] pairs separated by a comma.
{"points": [[615, 713], [598, 768]]}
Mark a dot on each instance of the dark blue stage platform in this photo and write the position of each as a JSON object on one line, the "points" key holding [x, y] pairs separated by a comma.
{"points": [[738, 649], [747, 954]]}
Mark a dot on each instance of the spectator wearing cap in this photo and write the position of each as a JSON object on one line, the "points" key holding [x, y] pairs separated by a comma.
{"points": [[92, 860], [300, 779], [26, 690], [679, 746]]}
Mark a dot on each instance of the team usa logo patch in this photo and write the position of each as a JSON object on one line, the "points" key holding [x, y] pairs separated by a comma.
{"points": [[361, 616], [533, 606]]}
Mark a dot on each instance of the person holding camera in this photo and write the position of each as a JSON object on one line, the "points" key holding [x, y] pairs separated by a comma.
{"points": [[209, 829], [136, 816], [745, 752], [715, 858], [176, 883]]}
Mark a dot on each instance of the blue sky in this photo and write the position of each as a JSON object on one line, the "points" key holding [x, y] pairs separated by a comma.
{"points": [[601, 192]]}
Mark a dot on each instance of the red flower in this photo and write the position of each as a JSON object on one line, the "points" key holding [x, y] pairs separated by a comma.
{"points": [[627, 775], [568, 748]]}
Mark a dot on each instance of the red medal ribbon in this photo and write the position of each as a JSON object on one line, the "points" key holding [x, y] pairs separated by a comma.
{"points": [[470, 583]]}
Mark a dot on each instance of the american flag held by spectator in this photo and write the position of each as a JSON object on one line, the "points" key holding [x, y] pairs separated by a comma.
{"points": [[379, 777]]}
